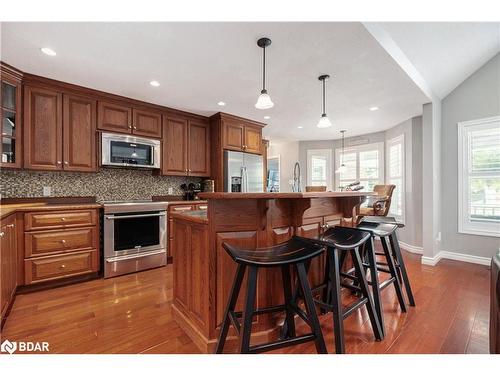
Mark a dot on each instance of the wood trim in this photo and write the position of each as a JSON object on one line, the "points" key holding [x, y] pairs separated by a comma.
{"points": [[10, 71], [228, 116], [53, 200]]}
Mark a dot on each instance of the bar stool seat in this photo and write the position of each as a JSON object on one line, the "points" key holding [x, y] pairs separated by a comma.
{"points": [[292, 253], [294, 250]]}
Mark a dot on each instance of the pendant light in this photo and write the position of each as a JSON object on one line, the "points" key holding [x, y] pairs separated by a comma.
{"points": [[342, 168], [264, 101], [324, 121]]}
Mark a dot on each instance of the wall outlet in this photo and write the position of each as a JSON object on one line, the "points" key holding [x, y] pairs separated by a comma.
{"points": [[47, 191], [438, 238], [170, 191]]}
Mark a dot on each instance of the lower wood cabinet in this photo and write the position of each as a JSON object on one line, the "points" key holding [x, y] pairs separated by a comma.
{"points": [[60, 266], [60, 244], [8, 264], [178, 208]]}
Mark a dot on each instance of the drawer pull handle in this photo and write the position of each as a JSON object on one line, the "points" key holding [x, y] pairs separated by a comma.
{"points": [[63, 219], [10, 225], [63, 241], [63, 266]]}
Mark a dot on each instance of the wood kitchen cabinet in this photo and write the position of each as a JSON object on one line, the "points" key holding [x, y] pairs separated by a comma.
{"points": [[122, 118], [10, 113], [8, 260], [186, 147], [229, 132], [59, 131]]}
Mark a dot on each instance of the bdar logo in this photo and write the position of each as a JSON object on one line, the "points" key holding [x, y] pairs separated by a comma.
{"points": [[9, 347]]}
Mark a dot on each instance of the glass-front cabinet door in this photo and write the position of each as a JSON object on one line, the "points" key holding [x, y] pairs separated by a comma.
{"points": [[11, 122]]}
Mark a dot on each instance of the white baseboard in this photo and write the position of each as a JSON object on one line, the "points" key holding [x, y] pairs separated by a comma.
{"points": [[411, 248], [432, 261]]}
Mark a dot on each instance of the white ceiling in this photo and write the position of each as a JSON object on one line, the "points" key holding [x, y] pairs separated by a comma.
{"points": [[446, 53], [200, 64]]}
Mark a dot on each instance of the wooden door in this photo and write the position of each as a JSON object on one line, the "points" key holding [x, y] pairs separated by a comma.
{"points": [[146, 123], [234, 136], [199, 280], [43, 129], [182, 242], [4, 269], [175, 147], [79, 134], [8, 263], [198, 148], [253, 139], [114, 117]]}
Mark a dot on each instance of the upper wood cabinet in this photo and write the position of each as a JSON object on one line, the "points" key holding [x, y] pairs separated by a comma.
{"points": [[79, 134], [10, 113], [59, 131], [114, 117], [241, 135], [43, 129], [125, 119], [186, 147]]}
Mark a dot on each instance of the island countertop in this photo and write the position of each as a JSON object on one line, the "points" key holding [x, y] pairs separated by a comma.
{"points": [[312, 194]]}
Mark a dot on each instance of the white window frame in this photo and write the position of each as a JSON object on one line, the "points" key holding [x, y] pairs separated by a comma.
{"points": [[393, 141], [329, 169], [466, 226], [357, 149], [279, 169]]}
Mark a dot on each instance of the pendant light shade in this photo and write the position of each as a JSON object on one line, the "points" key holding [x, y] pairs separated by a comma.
{"points": [[324, 121], [264, 101], [342, 168]]}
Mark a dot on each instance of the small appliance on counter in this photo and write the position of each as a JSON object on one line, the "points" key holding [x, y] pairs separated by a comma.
{"points": [[190, 191], [208, 186]]}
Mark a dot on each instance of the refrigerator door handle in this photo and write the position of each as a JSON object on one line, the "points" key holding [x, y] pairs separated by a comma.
{"points": [[244, 180]]}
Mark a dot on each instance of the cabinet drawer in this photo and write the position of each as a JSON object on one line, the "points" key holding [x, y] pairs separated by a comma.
{"points": [[180, 208], [60, 266], [59, 219], [59, 241]]}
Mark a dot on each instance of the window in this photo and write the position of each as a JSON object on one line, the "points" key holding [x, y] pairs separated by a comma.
{"points": [[479, 177], [363, 163], [395, 175], [319, 168]]}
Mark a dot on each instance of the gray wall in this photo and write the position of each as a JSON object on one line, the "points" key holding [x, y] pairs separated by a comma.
{"points": [[477, 97], [289, 155], [412, 130]]}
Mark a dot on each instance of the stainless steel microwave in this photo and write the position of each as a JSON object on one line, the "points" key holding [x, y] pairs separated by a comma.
{"points": [[129, 151]]}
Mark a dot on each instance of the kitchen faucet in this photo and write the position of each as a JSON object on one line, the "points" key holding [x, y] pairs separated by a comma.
{"points": [[296, 178]]}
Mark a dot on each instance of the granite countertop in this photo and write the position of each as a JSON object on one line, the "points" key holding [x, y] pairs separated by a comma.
{"points": [[327, 194], [197, 216], [7, 209]]}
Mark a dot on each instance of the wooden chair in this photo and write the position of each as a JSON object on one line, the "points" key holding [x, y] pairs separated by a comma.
{"points": [[315, 188], [378, 205]]}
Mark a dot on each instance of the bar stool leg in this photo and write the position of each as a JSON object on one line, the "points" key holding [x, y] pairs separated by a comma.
{"points": [[287, 293], [246, 328], [336, 301], [370, 254], [233, 298], [310, 308], [358, 265], [325, 295], [399, 257], [394, 273]]}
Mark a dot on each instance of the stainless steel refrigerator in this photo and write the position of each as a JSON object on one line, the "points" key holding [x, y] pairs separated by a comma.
{"points": [[243, 172]]}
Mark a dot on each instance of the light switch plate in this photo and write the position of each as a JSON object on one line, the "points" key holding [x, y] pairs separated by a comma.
{"points": [[47, 191]]}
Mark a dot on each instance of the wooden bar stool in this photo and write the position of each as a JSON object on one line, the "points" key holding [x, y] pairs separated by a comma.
{"points": [[398, 256], [292, 253], [341, 241], [384, 232]]}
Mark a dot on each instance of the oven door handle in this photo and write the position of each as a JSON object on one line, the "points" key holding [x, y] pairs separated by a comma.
{"points": [[113, 217], [134, 256]]}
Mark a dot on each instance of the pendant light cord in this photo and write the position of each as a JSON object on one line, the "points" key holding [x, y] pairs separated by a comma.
{"points": [[264, 70], [324, 97]]}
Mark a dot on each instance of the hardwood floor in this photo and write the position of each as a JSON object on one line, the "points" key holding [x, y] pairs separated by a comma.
{"points": [[132, 314]]}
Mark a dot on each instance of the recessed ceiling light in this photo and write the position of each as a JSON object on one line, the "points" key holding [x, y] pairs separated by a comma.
{"points": [[373, 109], [299, 127], [154, 83], [222, 104], [48, 51], [267, 117]]}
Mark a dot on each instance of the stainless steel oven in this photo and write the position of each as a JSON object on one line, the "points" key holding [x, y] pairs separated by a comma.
{"points": [[127, 151], [135, 236]]}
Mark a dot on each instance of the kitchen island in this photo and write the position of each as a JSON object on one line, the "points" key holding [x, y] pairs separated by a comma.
{"points": [[203, 272]]}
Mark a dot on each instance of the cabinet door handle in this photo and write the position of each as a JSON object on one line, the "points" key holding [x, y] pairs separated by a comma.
{"points": [[63, 241], [59, 162], [66, 163], [130, 126], [135, 127], [10, 225], [63, 219], [2, 234], [63, 266]]}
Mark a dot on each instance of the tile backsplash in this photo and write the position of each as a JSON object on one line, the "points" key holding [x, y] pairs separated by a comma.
{"points": [[107, 184]]}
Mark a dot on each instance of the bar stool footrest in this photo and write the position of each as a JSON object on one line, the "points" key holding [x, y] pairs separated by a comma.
{"points": [[281, 343]]}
